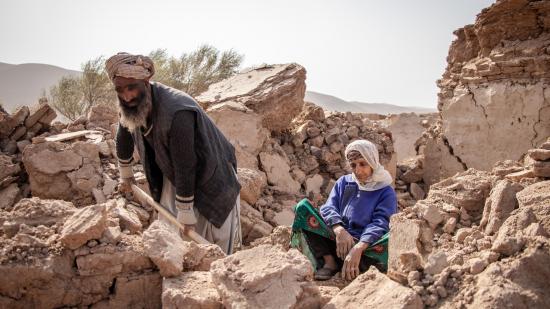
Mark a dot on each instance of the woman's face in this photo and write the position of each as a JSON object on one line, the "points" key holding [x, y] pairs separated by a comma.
{"points": [[361, 169]]}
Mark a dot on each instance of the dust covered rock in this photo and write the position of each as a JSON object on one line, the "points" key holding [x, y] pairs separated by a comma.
{"points": [[164, 246], [529, 220], [102, 116], [518, 283], [499, 205], [190, 290], [8, 170], [62, 171], [85, 224], [374, 289], [252, 182], [280, 236], [253, 225], [466, 190], [278, 172], [199, 257], [9, 195], [275, 92], [264, 276], [243, 127]]}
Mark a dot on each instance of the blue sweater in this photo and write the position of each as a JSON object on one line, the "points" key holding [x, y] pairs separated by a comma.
{"points": [[364, 214]]}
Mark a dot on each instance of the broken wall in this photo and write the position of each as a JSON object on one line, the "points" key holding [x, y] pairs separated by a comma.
{"points": [[494, 97]]}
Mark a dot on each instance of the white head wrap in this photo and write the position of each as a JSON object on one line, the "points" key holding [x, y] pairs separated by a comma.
{"points": [[380, 178]]}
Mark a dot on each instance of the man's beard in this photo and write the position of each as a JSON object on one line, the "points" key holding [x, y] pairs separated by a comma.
{"points": [[133, 117]]}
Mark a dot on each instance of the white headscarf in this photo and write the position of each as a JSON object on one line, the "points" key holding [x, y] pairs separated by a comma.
{"points": [[380, 178]]}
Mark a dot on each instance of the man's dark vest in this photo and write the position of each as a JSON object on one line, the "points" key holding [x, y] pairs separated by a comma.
{"points": [[216, 186]]}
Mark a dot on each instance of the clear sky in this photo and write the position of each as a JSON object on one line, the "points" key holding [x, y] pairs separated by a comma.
{"points": [[357, 50]]}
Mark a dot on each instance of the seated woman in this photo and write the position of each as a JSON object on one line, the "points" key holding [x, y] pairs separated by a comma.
{"points": [[355, 216]]}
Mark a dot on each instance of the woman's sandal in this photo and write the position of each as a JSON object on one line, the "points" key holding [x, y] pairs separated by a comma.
{"points": [[325, 274]]}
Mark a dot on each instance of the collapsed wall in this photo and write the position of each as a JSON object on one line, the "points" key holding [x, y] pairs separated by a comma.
{"points": [[494, 97]]}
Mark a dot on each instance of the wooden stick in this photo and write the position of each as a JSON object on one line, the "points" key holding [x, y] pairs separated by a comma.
{"points": [[67, 136], [144, 197]]}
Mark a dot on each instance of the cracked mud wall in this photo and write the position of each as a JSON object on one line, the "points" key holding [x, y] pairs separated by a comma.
{"points": [[488, 123], [494, 98]]}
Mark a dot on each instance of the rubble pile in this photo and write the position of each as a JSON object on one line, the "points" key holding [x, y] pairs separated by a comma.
{"points": [[55, 255], [409, 184], [316, 142], [16, 132], [68, 237], [472, 230], [286, 149]]}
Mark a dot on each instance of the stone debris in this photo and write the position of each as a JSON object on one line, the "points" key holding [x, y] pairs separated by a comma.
{"points": [[9, 195], [499, 205], [266, 277], [278, 172], [274, 92], [193, 290], [373, 289], [521, 282], [327, 293], [85, 224], [164, 246], [252, 183], [199, 257], [37, 241], [101, 116], [279, 237], [128, 217], [470, 228], [62, 171], [253, 225]]}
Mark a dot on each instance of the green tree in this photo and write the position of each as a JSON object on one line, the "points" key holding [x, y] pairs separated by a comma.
{"points": [[74, 96], [95, 84], [66, 97], [194, 72]]}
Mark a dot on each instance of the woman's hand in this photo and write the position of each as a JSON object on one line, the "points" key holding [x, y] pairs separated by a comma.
{"points": [[350, 270], [344, 241]]}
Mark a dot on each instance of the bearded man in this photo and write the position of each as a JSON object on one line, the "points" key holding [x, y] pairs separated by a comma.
{"points": [[189, 164]]}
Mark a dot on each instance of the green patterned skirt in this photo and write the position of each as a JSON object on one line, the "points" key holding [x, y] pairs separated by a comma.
{"points": [[308, 218]]}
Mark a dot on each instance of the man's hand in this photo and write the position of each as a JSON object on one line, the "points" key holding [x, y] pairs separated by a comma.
{"points": [[187, 228], [344, 241], [183, 218], [125, 185], [350, 270]]}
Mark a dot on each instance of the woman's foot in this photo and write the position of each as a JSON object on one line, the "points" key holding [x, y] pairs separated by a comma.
{"points": [[329, 269], [325, 274]]}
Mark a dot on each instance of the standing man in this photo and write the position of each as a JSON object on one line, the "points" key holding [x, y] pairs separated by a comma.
{"points": [[189, 164]]}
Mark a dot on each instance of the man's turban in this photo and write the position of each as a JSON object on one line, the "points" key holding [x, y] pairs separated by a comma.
{"points": [[130, 66]]}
